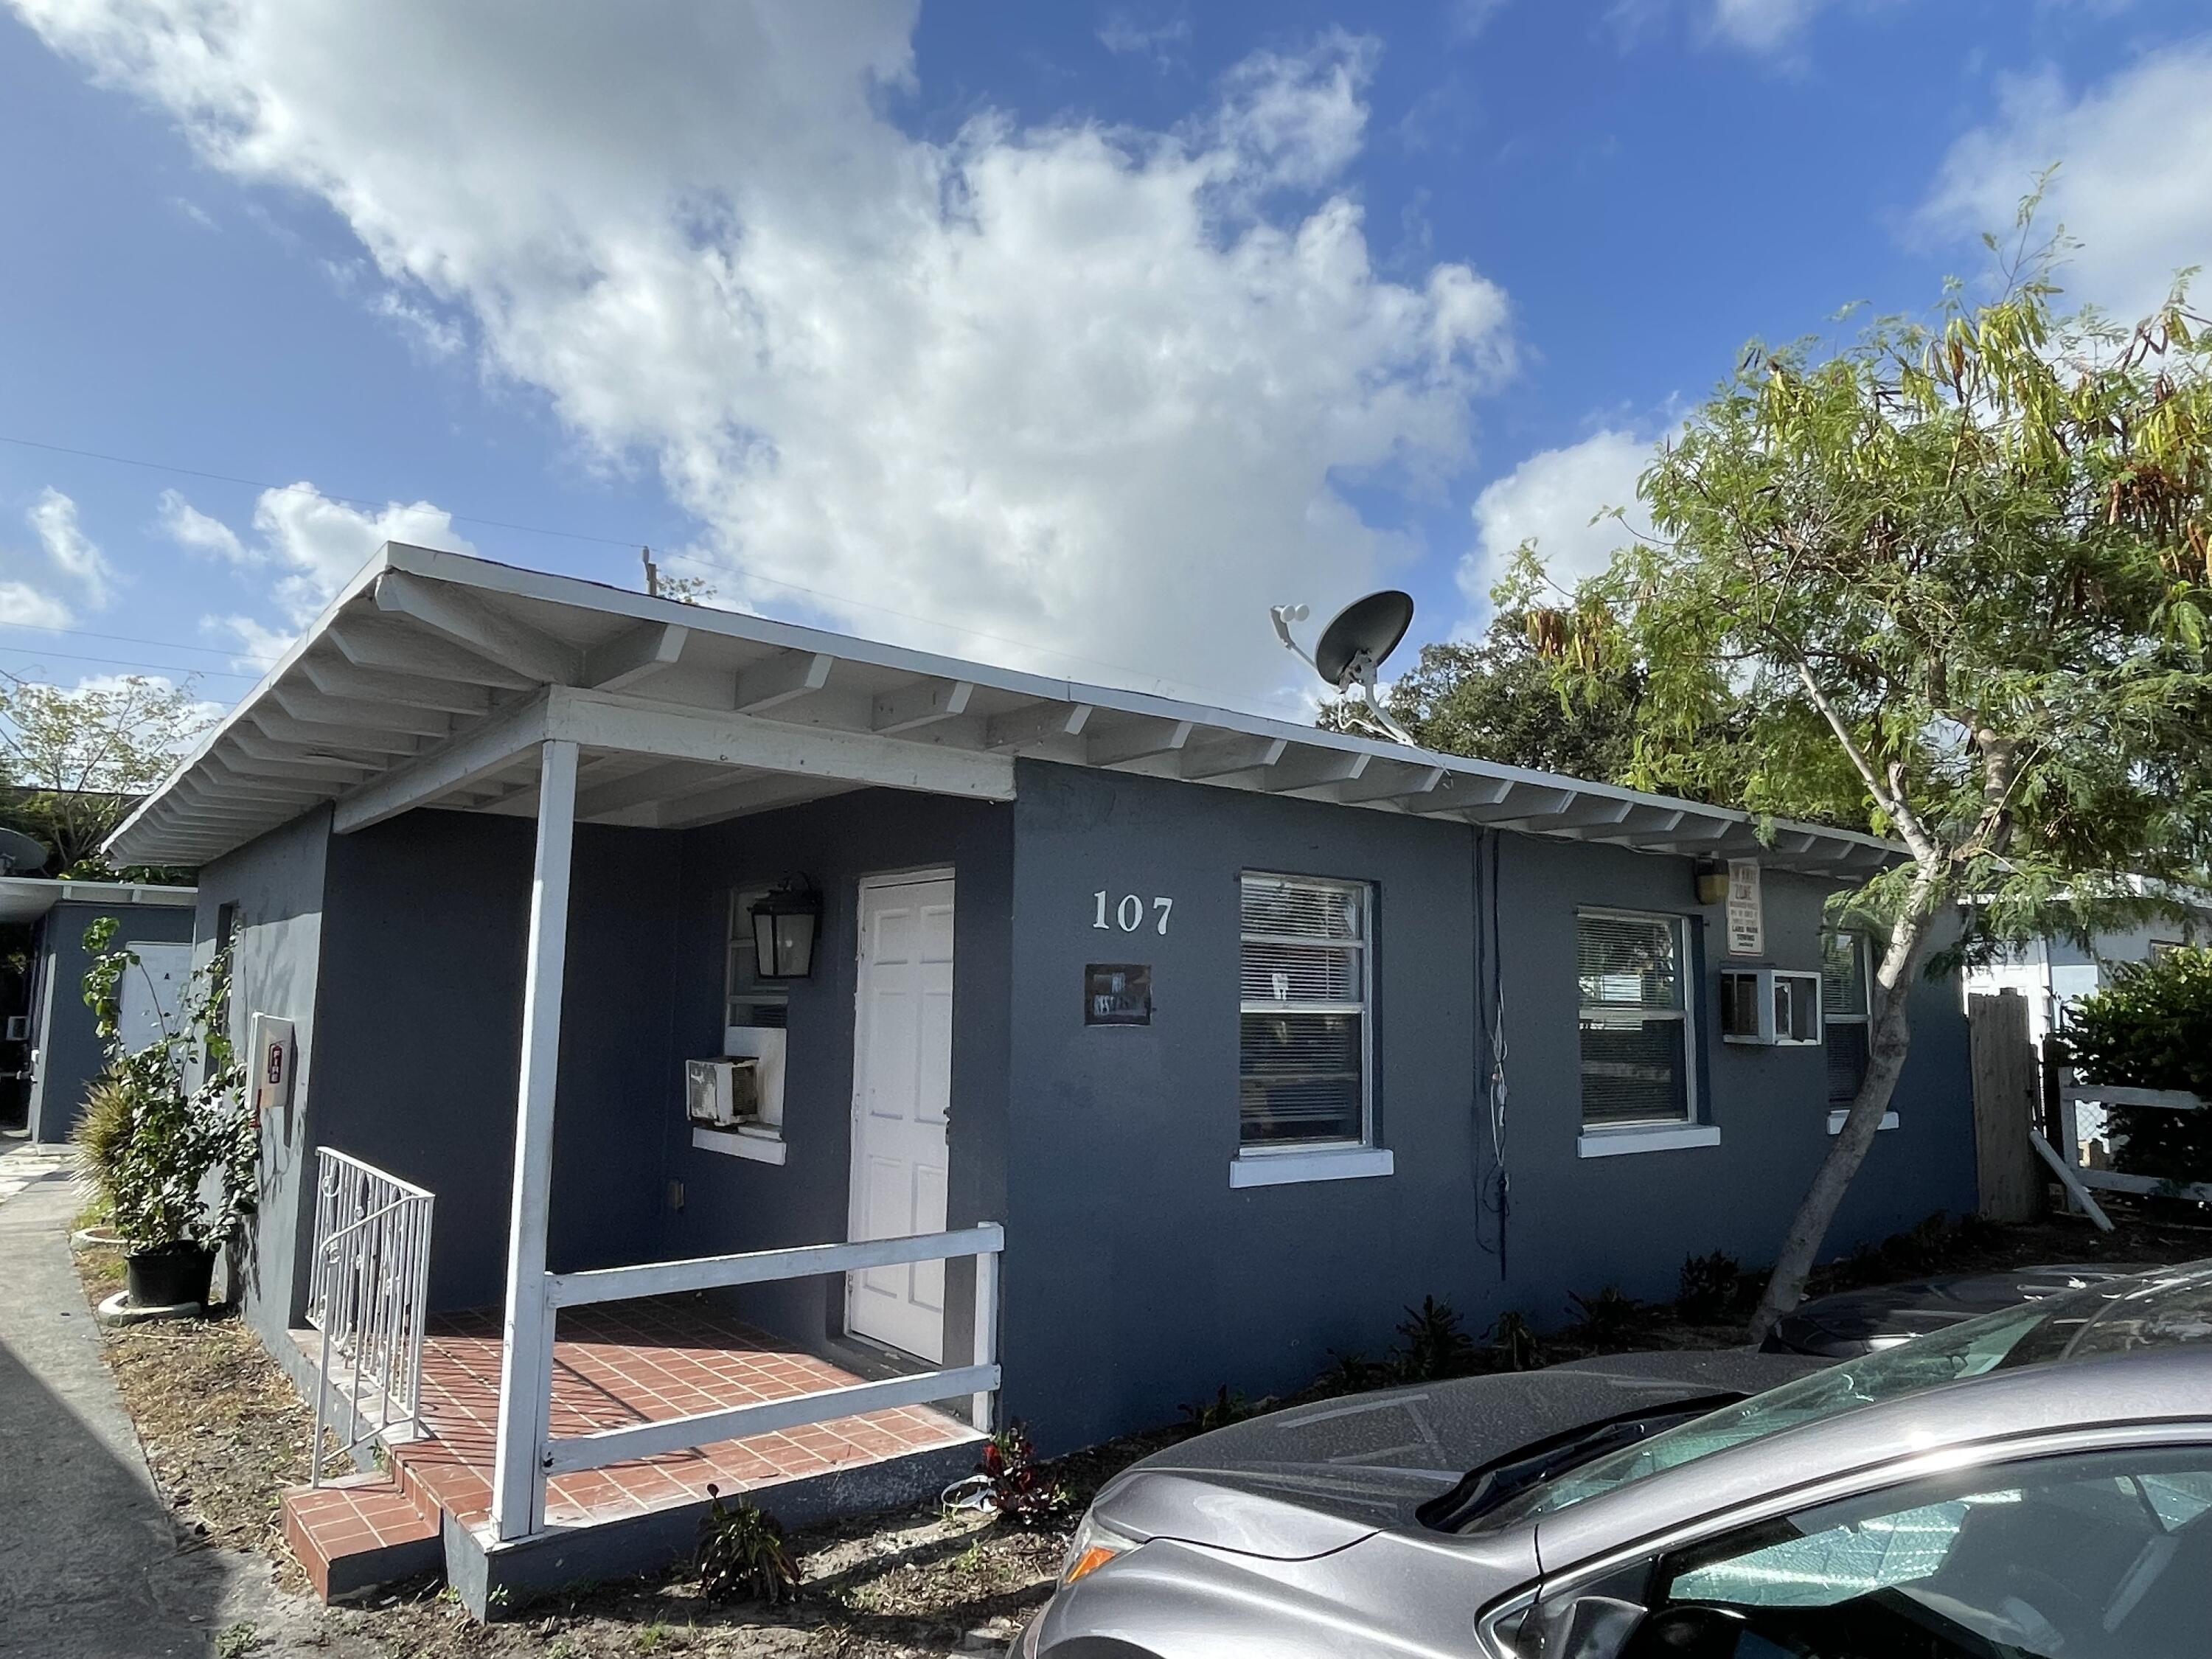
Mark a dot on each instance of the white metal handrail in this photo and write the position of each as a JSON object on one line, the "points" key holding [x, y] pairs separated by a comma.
{"points": [[979, 1379], [368, 1291]]}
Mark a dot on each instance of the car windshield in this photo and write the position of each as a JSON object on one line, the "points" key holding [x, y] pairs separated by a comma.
{"points": [[2104, 1319]]}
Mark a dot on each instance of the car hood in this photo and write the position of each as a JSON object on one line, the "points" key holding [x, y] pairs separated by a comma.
{"points": [[1300, 1483]]}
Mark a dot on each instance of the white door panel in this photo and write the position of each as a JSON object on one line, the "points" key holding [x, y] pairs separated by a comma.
{"points": [[902, 1091]]}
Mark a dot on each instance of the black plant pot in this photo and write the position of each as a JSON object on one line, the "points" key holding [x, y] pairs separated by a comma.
{"points": [[165, 1277]]}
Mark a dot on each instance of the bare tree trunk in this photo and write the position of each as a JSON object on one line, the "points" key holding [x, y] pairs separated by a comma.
{"points": [[1890, 1040]]}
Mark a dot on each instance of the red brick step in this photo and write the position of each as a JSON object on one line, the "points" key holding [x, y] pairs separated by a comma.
{"points": [[361, 1531]]}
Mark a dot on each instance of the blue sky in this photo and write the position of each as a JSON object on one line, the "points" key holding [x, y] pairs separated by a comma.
{"points": [[1066, 335]]}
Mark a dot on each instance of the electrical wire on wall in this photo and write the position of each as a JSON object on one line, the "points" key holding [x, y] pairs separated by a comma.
{"points": [[1492, 1178]]}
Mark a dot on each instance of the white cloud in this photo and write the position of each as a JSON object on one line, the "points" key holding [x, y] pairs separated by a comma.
{"points": [[1123, 36], [1765, 29], [187, 526], [1551, 499], [307, 546], [1088, 387], [2133, 183], [32, 607], [53, 518], [1466, 19]]}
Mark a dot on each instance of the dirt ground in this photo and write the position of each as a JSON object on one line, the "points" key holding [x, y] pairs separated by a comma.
{"points": [[225, 1433]]}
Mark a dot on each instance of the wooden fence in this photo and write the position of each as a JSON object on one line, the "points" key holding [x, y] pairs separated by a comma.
{"points": [[2006, 1092]]}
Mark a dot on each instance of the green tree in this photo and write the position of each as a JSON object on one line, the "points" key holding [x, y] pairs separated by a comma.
{"points": [[78, 760], [1957, 570], [1496, 698]]}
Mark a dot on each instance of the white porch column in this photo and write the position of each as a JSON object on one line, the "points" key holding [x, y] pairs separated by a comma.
{"points": [[526, 1365]]}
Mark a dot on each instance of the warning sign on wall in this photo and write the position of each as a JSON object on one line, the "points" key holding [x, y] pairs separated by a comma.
{"points": [[1747, 915]]}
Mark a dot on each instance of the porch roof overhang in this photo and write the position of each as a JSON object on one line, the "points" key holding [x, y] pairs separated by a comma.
{"points": [[433, 679], [25, 898]]}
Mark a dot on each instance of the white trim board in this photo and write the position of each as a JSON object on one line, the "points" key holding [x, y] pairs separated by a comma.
{"points": [[1646, 1138]]}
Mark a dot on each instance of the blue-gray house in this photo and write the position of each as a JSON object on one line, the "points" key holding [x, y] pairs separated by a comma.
{"points": [[1142, 1047]]}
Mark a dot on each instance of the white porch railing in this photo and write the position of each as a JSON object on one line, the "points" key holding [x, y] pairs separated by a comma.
{"points": [[368, 1292], [978, 1380], [2079, 1179]]}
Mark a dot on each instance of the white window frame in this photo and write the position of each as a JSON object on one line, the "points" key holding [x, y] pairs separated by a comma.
{"points": [[1656, 1134], [1864, 1020], [1280, 1162], [756, 993]]}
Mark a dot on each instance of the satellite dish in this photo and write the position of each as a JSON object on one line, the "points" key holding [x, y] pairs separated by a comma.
{"points": [[20, 855], [1352, 648], [1365, 632]]}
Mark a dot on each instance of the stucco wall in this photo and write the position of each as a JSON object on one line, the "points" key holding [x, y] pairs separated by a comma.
{"points": [[422, 1019], [1137, 1280], [63, 1031], [276, 883]]}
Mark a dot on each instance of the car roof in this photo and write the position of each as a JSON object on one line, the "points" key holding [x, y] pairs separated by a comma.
{"points": [[2130, 1352]]}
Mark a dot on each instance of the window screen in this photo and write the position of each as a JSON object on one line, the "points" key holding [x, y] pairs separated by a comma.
{"points": [[1635, 1025], [1844, 1013], [1304, 993]]}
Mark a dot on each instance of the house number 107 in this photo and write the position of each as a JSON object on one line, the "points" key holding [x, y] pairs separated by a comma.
{"points": [[1129, 912]]}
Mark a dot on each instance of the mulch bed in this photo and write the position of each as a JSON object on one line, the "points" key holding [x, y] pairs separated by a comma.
{"points": [[225, 1432]]}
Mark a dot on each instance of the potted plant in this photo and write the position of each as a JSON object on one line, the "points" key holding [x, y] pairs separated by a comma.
{"points": [[166, 1139]]}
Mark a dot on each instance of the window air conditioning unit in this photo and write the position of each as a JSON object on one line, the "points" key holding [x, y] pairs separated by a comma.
{"points": [[720, 1094], [1775, 1007]]}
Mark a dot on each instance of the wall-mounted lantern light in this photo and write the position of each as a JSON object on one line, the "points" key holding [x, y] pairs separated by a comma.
{"points": [[1713, 881], [785, 922]]}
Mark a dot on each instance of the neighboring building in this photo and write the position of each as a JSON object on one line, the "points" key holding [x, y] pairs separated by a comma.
{"points": [[1209, 1011], [62, 1051], [2052, 973]]}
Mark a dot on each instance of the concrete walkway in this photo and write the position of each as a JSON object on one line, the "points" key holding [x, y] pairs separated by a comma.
{"points": [[90, 1567]]}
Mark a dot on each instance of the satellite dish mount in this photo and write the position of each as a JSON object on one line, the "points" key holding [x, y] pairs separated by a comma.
{"points": [[1350, 651]]}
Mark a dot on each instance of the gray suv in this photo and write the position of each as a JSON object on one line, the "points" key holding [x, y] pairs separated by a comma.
{"points": [[2035, 1484]]}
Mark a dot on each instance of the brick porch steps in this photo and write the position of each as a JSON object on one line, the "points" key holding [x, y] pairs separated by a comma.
{"points": [[357, 1533]]}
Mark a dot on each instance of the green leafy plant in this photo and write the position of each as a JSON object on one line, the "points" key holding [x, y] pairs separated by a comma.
{"points": [[742, 1554], [1710, 1286], [1020, 1491], [2150, 1027], [1607, 1317], [1514, 1343], [1432, 1344], [160, 1120], [1218, 1413], [1353, 1373]]}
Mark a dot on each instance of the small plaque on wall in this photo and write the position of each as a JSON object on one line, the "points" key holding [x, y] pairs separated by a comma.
{"points": [[1117, 994]]}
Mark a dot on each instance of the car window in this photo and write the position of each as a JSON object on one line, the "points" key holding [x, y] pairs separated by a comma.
{"points": [[2099, 1556], [2102, 1319]]}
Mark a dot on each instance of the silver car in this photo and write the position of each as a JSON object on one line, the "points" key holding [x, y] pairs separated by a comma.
{"points": [[2035, 1484]]}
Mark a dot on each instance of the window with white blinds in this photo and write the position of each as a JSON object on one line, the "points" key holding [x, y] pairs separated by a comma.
{"points": [[1843, 980], [1636, 1053], [1304, 991]]}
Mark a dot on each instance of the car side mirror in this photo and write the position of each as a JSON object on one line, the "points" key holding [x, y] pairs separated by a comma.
{"points": [[1588, 1627]]}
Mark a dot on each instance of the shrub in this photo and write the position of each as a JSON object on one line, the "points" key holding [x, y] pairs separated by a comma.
{"points": [[2151, 1028], [741, 1555], [1354, 1373], [1433, 1346], [1020, 1491], [1514, 1343], [1218, 1413], [1710, 1285], [1608, 1317], [151, 1136]]}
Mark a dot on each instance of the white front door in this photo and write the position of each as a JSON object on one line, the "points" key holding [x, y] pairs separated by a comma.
{"points": [[902, 1086]]}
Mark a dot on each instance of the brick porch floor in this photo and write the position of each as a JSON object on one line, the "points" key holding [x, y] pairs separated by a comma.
{"points": [[615, 1364]]}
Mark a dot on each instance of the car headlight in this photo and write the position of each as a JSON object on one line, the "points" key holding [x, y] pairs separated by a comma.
{"points": [[1094, 1544]]}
